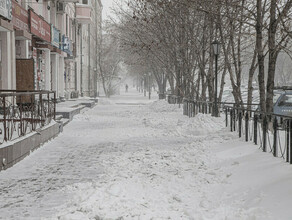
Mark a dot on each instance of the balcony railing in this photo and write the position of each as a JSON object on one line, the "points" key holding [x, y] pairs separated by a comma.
{"points": [[83, 13], [23, 112], [68, 1]]}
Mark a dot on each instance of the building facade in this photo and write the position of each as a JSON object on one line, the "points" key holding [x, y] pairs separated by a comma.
{"points": [[88, 45], [50, 45]]}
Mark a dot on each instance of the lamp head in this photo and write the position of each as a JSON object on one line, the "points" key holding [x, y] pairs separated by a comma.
{"points": [[216, 47]]}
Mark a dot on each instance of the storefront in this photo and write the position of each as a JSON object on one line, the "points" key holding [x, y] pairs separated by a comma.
{"points": [[20, 21], [7, 47], [56, 53], [41, 48], [69, 73]]}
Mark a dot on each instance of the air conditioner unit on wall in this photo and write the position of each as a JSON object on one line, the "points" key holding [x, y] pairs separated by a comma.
{"points": [[85, 2], [60, 7]]}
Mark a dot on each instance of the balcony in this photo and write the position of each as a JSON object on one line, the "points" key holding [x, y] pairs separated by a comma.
{"points": [[68, 1], [83, 13]]}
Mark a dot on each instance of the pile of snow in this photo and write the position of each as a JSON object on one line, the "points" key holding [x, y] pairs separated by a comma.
{"points": [[156, 183], [201, 124], [163, 106], [105, 101]]}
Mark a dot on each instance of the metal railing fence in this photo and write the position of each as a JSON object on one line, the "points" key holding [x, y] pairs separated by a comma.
{"points": [[174, 99], [272, 132], [22, 112]]}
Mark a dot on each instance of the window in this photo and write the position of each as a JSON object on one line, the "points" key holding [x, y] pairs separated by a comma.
{"points": [[85, 2], [66, 25], [286, 100]]}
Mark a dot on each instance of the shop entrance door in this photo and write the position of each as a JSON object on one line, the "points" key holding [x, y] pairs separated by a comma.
{"points": [[25, 79], [1, 64]]}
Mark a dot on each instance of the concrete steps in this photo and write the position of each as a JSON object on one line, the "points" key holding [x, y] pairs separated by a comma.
{"points": [[69, 113], [67, 110]]}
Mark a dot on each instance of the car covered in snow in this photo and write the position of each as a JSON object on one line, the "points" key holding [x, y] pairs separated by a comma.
{"points": [[283, 103]]}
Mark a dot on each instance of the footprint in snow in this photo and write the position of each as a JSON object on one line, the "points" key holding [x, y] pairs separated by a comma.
{"points": [[114, 190], [235, 163]]}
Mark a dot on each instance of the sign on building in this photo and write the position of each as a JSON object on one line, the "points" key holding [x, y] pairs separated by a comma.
{"points": [[55, 37], [67, 45], [20, 17], [39, 27]]}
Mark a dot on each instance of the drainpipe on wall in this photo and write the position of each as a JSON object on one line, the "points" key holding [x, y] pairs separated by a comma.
{"points": [[96, 49], [89, 91], [76, 29], [81, 61]]}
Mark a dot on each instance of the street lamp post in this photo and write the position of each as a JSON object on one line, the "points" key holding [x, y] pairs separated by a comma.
{"points": [[216, 47], [149, 85], [95, 82], [145, 84]]}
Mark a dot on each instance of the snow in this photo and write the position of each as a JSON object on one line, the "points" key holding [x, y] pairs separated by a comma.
{"points": [[134, 158]]}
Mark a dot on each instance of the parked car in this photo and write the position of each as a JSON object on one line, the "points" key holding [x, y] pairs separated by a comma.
{"points": [[227, 96], [283, 103]]}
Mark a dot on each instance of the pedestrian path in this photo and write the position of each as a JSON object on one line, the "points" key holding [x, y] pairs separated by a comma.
{"points": [[134, 158]]}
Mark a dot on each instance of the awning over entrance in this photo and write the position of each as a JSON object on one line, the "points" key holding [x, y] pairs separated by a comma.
{"points": [[44, 46], [56, 50], [5, 26], [22, 35]]}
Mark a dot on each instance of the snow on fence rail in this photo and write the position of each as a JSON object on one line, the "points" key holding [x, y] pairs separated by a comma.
{"points": [[271, 131], [22, 112]]}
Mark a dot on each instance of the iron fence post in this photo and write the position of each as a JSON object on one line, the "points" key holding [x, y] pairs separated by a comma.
{"points": [[4, 122], [206, 108], [246, 125], [226, 117], [255, 128], [287, 140], [290, 151], [190, 109], [234, 120], [239, 123], [20, 116], [231, 120], [199, 107], [54, 105], [49, 110], [184, 107], [42, 107], [275, 127], [32, 111], [265, 133]]}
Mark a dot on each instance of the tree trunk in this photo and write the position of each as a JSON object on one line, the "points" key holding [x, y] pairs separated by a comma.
{"points": [[250, 80], [222, 83], [261, 57]]}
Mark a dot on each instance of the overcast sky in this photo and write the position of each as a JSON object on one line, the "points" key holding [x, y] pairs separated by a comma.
{"points": [[106, 7]]}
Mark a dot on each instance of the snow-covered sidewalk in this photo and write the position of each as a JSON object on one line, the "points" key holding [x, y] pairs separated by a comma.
{"points": [[130, 158]]}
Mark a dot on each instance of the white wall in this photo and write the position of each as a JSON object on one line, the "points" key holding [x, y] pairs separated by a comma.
{"points": [[61, 77], [48, 70], [55, 72], [8, 68]]}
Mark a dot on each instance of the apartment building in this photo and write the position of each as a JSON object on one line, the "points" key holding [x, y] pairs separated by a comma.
{"points": [[50, 45], [88, 45]]}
